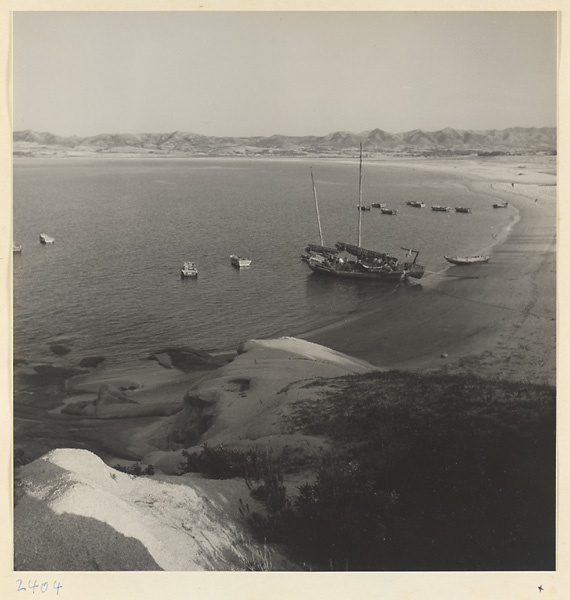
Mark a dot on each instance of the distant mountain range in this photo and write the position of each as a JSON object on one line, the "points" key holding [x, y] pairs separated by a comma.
{"points": [[448, 141]]}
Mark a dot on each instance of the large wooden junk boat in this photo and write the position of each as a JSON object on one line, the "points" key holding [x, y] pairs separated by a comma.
{"points": [[355, 262]]}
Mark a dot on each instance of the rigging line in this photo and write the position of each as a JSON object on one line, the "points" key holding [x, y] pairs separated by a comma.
{"points": [[519, 310]]}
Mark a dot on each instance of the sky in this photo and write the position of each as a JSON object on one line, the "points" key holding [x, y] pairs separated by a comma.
{"points": [[290, 73]]}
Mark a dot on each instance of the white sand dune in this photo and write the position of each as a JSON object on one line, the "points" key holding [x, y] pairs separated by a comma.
{"points": [[152, 524], [252, 397]]}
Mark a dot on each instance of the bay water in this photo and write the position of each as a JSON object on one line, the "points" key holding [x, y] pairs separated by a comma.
{"points": [[111, 285]]}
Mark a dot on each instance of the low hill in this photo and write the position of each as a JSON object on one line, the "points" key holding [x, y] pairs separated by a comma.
{"points": [[447, 141]]}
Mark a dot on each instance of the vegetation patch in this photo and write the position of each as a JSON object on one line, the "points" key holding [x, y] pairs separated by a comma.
{"points": [[425, 473]]}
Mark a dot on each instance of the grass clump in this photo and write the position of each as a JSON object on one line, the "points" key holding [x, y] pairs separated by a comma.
{"points": [[432, 473], [136, 470]]}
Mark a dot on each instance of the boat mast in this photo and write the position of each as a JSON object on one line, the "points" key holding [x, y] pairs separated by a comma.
{"points": [[360, 201], [317, 207]]}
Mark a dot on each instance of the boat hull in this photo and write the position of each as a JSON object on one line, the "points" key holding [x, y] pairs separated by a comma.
{"points": [[467, 260], [325, 268]]}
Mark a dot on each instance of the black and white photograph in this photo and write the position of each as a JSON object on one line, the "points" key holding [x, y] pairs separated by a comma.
{"points": [[284, 292]]}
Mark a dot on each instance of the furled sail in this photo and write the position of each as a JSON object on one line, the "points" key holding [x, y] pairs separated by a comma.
{"points": [[362, 253], [317, 249]]}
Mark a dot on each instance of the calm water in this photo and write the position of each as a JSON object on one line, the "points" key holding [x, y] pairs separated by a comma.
{"points": [[111, 283]]}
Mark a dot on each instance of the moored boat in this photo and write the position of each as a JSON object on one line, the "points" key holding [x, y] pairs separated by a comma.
{"points": [[366, 264], [239, 262], [16, 248], [362, 207], [46, 239], [441, 208], [501, 205], [369, 264], [378, 205], [416, 203], [189, 270], [462, 209], [389, 211], [467, 260]]}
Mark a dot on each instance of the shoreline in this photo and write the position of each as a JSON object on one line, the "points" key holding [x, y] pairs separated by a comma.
{"points": [[446, 310]]}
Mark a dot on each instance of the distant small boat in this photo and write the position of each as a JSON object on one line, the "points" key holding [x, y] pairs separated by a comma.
{"points": [[239, 262], [462, 209], [46, 239], [467, 260], [189, 270], [16, 248], [389, 211], [378, 205], [441, 208], [362, 207], [501, 205], [416, 203]]}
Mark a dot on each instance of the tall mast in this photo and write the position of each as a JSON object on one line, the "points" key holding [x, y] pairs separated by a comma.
{"points": [[360, 201], [317, 207]]}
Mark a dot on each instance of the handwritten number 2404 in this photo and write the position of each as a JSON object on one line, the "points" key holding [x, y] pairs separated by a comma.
{"points": [[42, 588]]}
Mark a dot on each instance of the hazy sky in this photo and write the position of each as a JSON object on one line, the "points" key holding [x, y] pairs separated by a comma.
{"points": [[293, 73]]}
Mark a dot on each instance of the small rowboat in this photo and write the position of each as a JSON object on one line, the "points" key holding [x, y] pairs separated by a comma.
{"points": [[462, 209], [189, 270], [416, 203], [46, 239], [501, 205], [239, 262], [467, 260], [388, 211], [16, 248], [441, 208], [378, 205]]}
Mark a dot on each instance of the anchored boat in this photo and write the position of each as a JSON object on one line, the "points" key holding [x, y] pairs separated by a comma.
{"points": [[46, 239], [366, 264], [441, 208], [189, 270], [416, 203], [239, 262], [467, 260], [501, 205], [461, 209]]}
